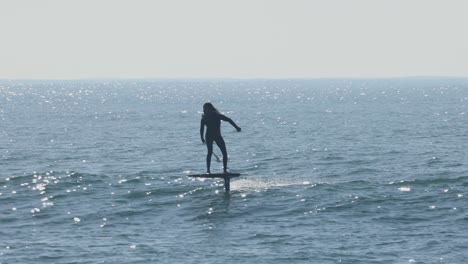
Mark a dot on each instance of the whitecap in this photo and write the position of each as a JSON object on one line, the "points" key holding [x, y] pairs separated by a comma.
{"points": [[44, 205], [404, 189], [40, 187], [256, 185]]}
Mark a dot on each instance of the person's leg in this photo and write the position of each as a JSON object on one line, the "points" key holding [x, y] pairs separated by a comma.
{"points": [[209, 145], [222, 147]]}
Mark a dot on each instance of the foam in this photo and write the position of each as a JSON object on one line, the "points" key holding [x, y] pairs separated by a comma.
{"points": [[257, 185]]}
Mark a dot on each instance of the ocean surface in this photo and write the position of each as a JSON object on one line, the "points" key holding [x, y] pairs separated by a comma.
{"points": [[333, 171]]}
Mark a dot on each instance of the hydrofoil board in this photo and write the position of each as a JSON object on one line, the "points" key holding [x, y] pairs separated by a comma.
{"points": [[215, 175]]}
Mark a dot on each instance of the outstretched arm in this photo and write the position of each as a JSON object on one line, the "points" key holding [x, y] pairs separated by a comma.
{"points": [[225, 118], [202, 130]]}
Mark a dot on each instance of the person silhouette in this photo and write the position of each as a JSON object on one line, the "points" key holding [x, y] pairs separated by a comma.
{"points": [[211, 118]]}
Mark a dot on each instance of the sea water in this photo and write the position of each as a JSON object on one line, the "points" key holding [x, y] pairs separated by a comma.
{"points": [[333, 171]]}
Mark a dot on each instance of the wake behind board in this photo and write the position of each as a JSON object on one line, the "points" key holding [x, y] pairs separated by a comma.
{"points": [[226, 176], [215, 175]]}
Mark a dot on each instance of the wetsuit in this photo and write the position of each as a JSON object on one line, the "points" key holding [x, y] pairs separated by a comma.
{"points": [[212, 121]]}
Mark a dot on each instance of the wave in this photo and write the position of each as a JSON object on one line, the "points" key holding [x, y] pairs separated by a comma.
{"points": [[462, 180], [262, 184]]}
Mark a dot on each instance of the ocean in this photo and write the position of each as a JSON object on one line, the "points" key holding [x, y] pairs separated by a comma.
{"points": [[333, 171]]}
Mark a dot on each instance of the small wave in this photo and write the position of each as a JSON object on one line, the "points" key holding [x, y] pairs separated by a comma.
{"points": [[332, 158], [363, 171], [463, 180]]}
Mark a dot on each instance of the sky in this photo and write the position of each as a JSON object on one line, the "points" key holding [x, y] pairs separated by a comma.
{"points": [[76, 39]]}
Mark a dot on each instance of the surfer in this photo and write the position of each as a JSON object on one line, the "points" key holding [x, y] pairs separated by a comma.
{"points": [[211, 118]]}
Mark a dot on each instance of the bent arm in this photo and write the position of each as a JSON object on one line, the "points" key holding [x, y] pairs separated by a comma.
{"points": [[227, 119]]}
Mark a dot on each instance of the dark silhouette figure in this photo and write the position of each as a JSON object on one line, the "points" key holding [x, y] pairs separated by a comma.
{"points": [[211, 118]]}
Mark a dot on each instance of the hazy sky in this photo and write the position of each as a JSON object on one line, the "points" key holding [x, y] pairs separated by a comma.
{"points": [[69, 39]]}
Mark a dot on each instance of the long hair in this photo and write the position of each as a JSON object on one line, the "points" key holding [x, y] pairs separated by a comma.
{"points": [[208, 109]]}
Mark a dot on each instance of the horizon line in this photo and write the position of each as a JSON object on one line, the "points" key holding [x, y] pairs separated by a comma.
{"points": [[232, 78]]}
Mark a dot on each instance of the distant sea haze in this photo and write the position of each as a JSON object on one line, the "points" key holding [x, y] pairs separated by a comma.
{"points": [[333, 171]]}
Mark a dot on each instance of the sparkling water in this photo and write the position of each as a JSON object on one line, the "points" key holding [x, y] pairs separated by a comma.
{"points": [[333, 171]]}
